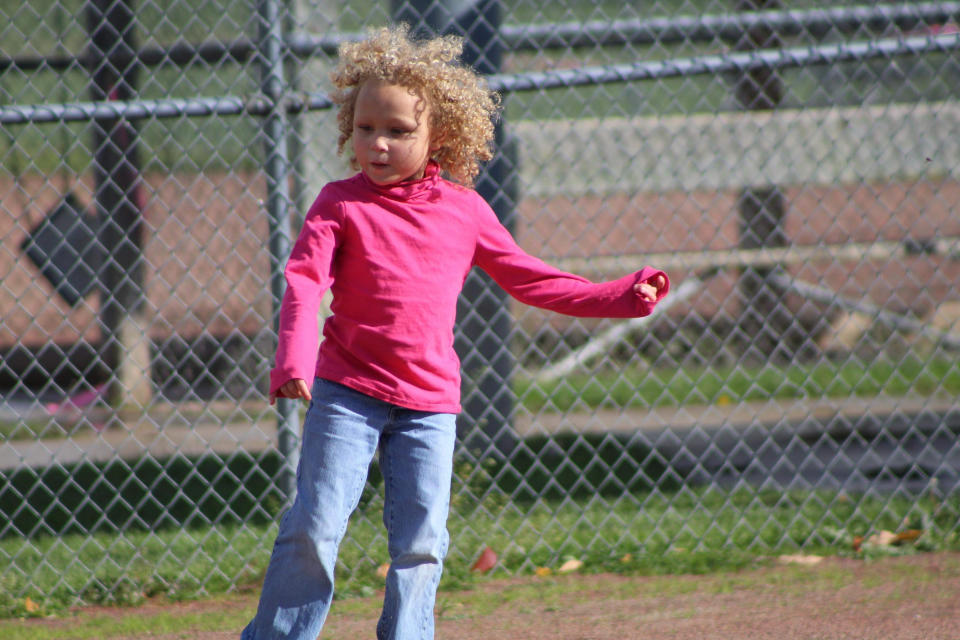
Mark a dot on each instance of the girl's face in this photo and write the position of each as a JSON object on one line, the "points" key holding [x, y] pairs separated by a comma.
{"points": [[391, 132]]}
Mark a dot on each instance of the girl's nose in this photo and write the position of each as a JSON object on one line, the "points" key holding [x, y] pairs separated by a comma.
{"points": [[380, 143]]}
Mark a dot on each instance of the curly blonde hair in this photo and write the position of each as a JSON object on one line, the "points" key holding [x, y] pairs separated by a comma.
{"points": [[462, 108]]}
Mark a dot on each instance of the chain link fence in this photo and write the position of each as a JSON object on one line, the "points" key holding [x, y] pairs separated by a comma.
{"points": [[795, 171]]}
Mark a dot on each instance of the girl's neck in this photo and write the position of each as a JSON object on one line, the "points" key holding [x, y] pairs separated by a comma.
{"points": [[409, 187]]}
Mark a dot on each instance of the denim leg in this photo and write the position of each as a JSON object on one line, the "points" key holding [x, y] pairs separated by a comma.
{"points": [[416, 458], [340, 435]]}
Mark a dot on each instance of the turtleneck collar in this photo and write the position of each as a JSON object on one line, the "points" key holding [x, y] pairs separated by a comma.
{"points": [[407, 189]]}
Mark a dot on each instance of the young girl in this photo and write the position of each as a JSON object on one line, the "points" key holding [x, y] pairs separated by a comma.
{"points": [[395, 243]]}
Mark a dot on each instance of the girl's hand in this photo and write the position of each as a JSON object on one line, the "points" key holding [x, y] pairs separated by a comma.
{"points": [[296, 388], [650, 289]]}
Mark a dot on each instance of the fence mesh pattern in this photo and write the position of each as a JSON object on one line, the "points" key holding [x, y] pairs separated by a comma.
{"points": [[794, 170]]}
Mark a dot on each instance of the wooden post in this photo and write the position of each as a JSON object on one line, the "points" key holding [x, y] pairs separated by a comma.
{"points": [[126, 343], [764, 320]]}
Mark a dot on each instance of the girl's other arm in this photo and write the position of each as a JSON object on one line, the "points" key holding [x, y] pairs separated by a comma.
{"points": [[309, 273]]}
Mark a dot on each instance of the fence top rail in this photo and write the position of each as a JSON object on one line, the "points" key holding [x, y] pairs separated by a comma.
{"points": [[667, 30], [780, 58], [816, 22]]}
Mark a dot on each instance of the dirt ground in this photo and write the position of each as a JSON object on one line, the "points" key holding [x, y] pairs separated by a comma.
{"points": [[915, 597]]}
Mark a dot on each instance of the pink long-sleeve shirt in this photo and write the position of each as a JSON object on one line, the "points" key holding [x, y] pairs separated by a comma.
{"points": [[396, 258]]}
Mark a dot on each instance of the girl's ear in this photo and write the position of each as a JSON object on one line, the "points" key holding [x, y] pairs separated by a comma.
{"points": [[437, 137]]}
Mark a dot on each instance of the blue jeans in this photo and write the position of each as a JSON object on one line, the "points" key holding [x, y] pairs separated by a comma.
{"points": [[341, 432]]}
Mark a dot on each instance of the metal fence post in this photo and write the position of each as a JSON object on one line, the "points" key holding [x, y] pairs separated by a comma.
{"points": [[484, 322], [764, 320], [126, 345], [277, 170]]}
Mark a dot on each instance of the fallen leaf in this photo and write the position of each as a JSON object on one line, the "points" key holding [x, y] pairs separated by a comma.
{"points": [[486, 561], [383, 569], [627, 558], [542, 572], [30, 605], [908, 536], [858, 543], [882, 539], [801, 559], [570, 565]]}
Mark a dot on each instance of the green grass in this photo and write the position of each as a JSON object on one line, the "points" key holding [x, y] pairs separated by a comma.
{"points": [[662, 387], [548, 504], [490, 599], [487, 599], [687, 531], [218, 615], [735, 384]]}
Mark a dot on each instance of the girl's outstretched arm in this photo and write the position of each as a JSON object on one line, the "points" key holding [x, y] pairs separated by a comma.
{"points": [[539, 284]]}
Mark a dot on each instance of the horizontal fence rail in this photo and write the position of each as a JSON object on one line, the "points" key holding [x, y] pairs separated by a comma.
{"points": [[707, 28], [816, 23], [506, 83]]}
